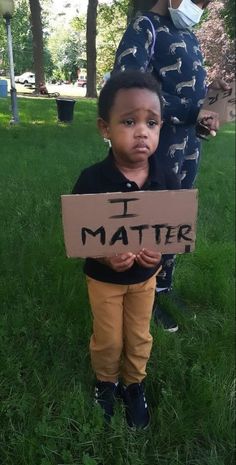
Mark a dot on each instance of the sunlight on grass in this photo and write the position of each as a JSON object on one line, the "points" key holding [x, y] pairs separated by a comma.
{"points": [[229, 131]]}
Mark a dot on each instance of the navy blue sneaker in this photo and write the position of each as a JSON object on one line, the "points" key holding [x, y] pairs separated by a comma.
{"points": [[105, 395], [161, 317], [137, 414]]}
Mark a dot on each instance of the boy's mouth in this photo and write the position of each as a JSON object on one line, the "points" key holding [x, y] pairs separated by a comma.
{"points": [[141, 146]]}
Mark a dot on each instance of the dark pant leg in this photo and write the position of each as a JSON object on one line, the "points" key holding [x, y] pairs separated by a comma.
{"points": [[190, 165], [187, 162], [164, 279]]}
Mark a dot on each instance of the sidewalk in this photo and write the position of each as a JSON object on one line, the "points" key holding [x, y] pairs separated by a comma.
{"points": [[65, 90]]}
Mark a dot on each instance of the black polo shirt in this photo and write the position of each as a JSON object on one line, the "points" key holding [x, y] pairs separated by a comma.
{"points": [[105, 177]]}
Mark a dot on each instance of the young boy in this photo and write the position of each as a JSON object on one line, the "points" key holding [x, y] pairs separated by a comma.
{"points": [[121, 288]]}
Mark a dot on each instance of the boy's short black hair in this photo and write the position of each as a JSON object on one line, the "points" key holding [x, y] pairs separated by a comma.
{"points": [[129, 79]]}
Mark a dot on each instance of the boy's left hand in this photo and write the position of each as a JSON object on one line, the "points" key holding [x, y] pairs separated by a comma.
{"points": [[148, 258]]}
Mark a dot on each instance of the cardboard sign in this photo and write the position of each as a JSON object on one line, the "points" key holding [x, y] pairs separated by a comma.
{"points": [[98, 225], [222, 102]]}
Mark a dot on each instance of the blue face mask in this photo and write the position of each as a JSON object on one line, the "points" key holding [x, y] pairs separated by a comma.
{"points": [[186, 15]]}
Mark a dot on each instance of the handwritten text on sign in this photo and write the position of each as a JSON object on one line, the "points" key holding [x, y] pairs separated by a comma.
{"points": [[103, 224], [222, 102]]}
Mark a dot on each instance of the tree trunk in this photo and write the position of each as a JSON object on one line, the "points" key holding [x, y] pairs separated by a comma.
{"points": [[91, 48], [37, 33]]}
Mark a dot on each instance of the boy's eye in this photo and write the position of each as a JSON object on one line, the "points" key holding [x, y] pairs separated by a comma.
{"points": [[152, 123], [128, 122]]}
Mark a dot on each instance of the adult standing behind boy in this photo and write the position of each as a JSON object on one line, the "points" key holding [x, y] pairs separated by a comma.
{"points": [[121, 288], [162, 42]]}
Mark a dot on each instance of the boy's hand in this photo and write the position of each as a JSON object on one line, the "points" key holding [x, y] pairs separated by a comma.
{"points": [[148, 258], [119, 262]]}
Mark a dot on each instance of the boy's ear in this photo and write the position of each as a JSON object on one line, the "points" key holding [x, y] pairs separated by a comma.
{"points": [[103, 128]]}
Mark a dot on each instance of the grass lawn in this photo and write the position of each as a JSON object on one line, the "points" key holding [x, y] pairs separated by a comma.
{"points": [[46, 383]]}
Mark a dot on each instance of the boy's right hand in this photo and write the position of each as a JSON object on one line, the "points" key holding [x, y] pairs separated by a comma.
{"points": [[119, 262]]}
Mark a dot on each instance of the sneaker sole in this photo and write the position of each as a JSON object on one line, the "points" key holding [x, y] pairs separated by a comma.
{"points": [[171, 330], [136, 428]]}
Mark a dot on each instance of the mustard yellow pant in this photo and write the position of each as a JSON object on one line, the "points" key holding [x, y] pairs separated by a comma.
{"points": [[121, 342]]}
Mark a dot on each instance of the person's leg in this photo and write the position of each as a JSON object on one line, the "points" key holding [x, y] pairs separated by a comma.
{"points": [[138, 303], [163, 290], [164, 279], [184, 163], [106, 342], [172, 147], [170, 154], [191, 164]]}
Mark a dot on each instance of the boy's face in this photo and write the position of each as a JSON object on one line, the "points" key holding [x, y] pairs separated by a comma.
{"points": [[134, 126]]}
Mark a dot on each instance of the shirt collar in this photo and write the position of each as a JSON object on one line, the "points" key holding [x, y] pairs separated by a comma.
{"points": [[117, 177]]}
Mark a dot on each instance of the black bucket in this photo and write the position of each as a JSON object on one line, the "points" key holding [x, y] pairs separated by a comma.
{"points": [[65, 110]]}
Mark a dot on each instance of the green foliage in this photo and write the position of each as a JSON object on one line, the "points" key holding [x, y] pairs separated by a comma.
{"points": [[67, 46], [109, 37], [2, 44], [229, 16], [48, 63], [78, 24], [21, 37], [22, 40], [122, 6], [216, 45]]}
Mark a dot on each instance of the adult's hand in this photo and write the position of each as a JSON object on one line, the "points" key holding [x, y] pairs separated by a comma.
{"points": [[209, 119], [219, 84]]}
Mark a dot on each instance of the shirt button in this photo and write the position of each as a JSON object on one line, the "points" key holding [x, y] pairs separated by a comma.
{"points": [[128, 184]]}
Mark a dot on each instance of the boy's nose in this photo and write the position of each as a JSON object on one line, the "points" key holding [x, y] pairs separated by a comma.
{"points": [[141, 130]]}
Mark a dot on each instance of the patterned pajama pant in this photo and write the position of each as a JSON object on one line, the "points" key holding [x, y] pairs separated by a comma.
{"points": [[182, 156]]}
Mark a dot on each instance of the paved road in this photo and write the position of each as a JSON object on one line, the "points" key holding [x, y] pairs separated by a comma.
{"points": [[65, 90]]}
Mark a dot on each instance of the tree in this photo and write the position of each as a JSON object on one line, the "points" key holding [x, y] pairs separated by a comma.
{"points": [[217, 47], [108, 38], [91, 48], [229, 16], [67, 45], [37, 33], [22, 39]]}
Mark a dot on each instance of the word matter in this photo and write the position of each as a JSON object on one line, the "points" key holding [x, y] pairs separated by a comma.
{"points": [[103, 224]]}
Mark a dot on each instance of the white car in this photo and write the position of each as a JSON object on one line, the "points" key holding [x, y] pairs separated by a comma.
{"points": [[26, 78]]}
